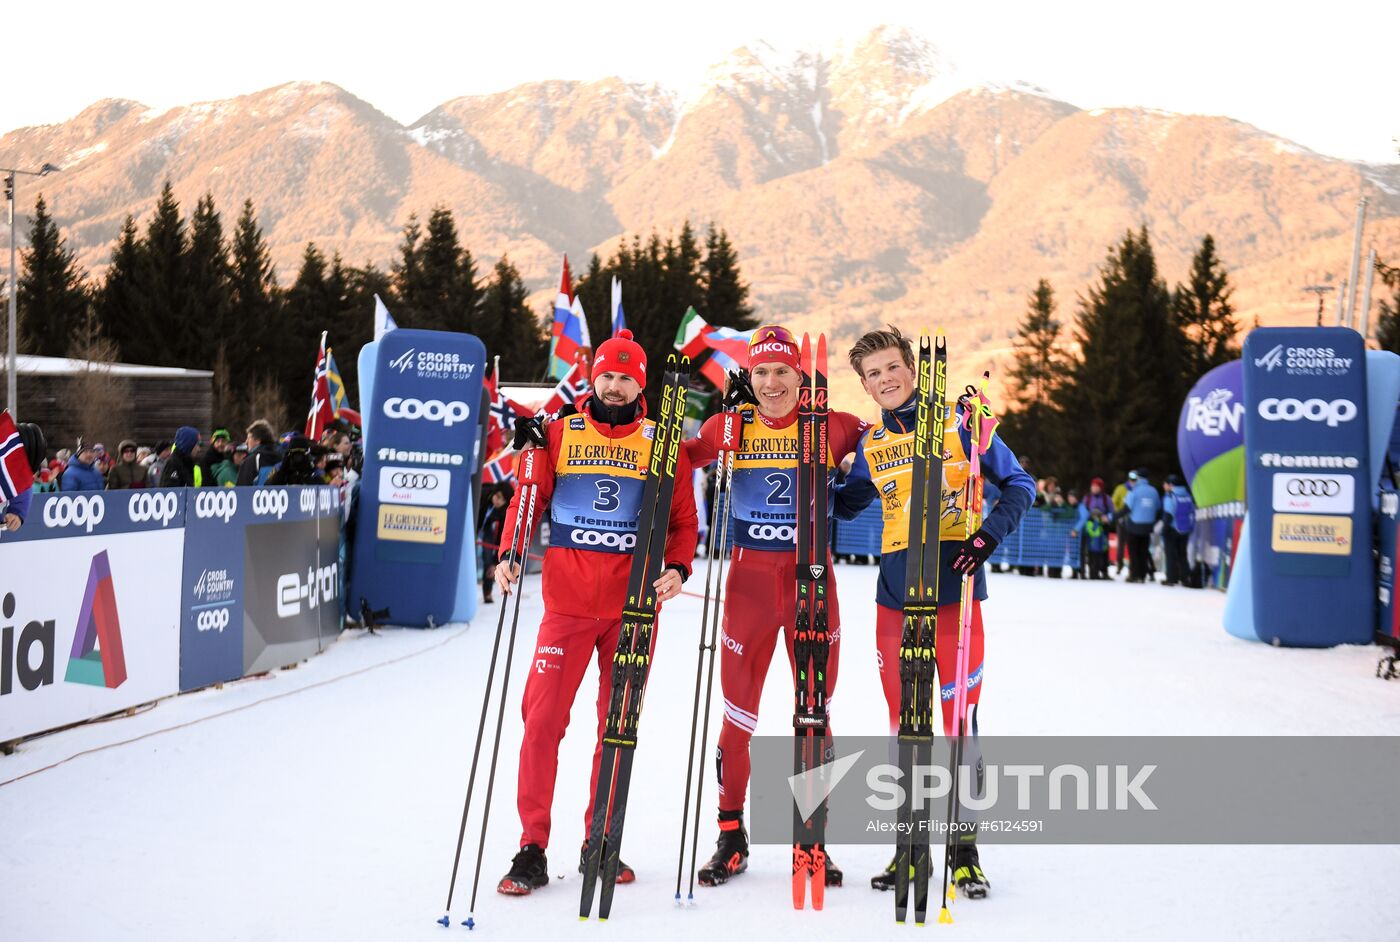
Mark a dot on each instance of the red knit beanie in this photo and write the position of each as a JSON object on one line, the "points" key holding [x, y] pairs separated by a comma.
{"points": [[621, 354]]}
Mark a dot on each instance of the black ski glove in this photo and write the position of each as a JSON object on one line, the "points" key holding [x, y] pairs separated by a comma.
{"points": [[974, 552], [740, 390], [529, 431]]}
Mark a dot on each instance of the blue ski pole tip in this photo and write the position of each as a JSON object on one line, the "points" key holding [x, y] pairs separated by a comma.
{"points": [[445, 922], [470, 923]]}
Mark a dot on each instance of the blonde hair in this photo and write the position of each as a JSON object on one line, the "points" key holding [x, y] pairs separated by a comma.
{"points": [[876, 340]]}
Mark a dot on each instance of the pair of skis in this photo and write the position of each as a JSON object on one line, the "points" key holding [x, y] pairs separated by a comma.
{"points": [[810, 640], [919, 702], [632, 658]]}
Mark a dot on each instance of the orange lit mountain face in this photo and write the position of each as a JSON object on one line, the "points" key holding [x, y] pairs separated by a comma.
{"points": [[860, 188]]}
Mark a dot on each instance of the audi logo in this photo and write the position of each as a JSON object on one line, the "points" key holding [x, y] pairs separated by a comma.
{"points": [[211, 503], [1314, 487], [157, 506], [212, 619], [86, 512], [770, 532], [424, 482]]}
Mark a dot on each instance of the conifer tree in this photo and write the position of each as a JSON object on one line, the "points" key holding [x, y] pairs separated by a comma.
{"points": [[253, 303], [53, 291], [507, 326], [310, 302], [210, 287], [1205, 316], [121, 302], [164, 284], [726, 299], [442, 293], [1036, 377], [1388, 323], [1122, 405], [354, 326]]}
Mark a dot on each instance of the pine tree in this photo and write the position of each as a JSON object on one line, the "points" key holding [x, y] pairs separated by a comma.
{"points": [[1039, 371], [165, 285], [1205, 316], [726, 299], [353, 327], [406, 274], [1121, 406], [53, 292], [121, 302], [253, 302], [1388, 323], [508, 327], [210, 287], [309, 305], [443, 293]]}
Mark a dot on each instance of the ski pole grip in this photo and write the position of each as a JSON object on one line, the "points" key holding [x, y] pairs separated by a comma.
{"points": [[531, 465], [731, 427]]}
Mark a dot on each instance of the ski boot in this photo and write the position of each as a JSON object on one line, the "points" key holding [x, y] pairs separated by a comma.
{"points": [[834, 874], [967, 872], [731, 850], [625, 874], [529, 871], [884, 880]]}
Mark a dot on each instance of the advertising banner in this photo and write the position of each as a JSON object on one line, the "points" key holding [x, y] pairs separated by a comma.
{"points": [[414, 531], [244, 546], [89, 624], [1210, 438], [1309, 483]]}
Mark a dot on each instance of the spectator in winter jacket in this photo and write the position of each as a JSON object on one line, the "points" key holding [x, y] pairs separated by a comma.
{"points": [[14, 511], [491, 527], [263, 455], [181, 468], [127, 473], [298, 466], [1178, 519], [1096, 545], [1144, 508], [1095, 500], [81, 474], [1120, 517]]}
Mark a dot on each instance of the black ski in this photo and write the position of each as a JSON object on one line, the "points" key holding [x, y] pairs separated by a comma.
{"points": [[632, 659]]}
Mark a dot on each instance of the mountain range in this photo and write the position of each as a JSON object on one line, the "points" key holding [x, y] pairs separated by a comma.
{"points": [[861, 186]]}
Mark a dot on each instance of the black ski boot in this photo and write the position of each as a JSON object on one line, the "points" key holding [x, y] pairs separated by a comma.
{"points": [[967, 872], [884, 880], [834, 874], [625, 874], [529, 871], [731, 850]]}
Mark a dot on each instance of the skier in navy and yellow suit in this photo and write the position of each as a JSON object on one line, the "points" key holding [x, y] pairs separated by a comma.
{"points": [[883, 470]]}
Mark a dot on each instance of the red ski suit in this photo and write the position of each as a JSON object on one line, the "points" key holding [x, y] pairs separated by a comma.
{"points": [[761, 589], [591, 487]]}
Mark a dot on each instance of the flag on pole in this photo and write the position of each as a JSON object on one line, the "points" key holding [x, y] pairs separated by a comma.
{"points": [[571, 389], [15, 475], [499, 469], [568, 334], [619, 322], [383, 320], [323, 410], [728, 348], [690, 336], [716, 365], [504, 411]]}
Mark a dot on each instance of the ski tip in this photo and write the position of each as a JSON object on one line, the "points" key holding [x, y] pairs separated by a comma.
{"points": [[445, 922]]}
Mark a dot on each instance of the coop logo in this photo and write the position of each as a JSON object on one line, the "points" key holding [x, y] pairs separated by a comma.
{"points": [[434, 410], [320, 587], [621, 542], [1214, 413], [213, 585], [772, 533], [158, 507], [216, 503], [85, 512], [1305, 361], [212, 619], [430, 364], [270, 503], [1334, 413], [415, 486]]}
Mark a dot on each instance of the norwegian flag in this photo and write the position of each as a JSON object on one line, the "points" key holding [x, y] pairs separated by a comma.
{"points": [[15, 475], [504, 412], [571, 389], [499, 469], [323, 408]]}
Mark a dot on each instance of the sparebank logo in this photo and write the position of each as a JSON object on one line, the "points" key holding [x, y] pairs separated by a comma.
{"points": [[97, 657], [1272, 359]]}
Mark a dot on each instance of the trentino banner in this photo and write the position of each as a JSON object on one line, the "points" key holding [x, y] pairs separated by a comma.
{"points": [[1309, 483], [414, 532]]}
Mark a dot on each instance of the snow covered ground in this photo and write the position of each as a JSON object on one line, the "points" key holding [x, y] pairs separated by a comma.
{"points": [[323, 802]]}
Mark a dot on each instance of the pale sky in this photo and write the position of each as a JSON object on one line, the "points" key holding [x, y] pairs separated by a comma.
{"points": [[1324, 76]]}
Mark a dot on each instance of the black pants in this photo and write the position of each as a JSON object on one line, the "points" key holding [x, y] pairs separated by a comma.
{"points": [[1098, 565], [1138, 550], [1174, 548]]}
